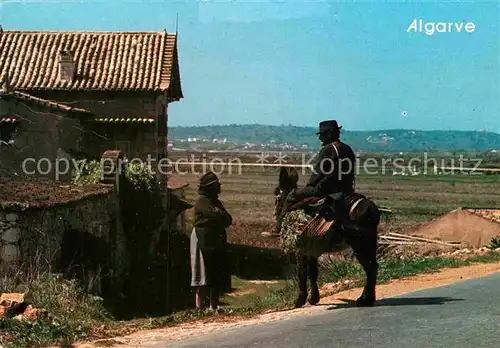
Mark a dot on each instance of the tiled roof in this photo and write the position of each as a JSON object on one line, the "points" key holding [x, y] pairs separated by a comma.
{"points": [[145, 61], [124, 120]]}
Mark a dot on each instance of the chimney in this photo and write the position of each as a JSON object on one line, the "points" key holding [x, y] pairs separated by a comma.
{"points": [[67, 67]]}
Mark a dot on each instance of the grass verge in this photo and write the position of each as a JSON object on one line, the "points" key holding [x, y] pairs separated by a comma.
{"points": [[72, 313], [76, 316], [394, 268]]}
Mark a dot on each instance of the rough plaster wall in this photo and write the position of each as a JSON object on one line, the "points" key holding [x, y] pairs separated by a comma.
{"points": [[42, 230], [41, 136], [132, 140], [107, 104], [114, 104]]}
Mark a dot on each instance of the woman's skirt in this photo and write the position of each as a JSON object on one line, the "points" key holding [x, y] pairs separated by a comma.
{"points": [[198, 265]]}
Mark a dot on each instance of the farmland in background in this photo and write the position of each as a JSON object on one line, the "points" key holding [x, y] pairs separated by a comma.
{"points": [[248, 195]]}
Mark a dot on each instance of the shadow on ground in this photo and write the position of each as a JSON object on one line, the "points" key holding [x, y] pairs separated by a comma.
{"points": [[405, 301], [256, 263]]}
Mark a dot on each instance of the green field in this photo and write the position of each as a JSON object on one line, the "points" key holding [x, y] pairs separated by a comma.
{"points": [[414, 199]]}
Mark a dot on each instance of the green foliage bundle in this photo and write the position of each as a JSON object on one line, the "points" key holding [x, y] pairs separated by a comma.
{"points": [[290, 225]]}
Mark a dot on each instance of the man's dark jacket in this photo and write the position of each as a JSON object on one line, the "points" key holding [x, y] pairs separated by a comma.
{"points": [[323, 180]]}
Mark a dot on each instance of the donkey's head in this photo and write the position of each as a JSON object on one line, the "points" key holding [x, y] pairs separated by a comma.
{"points": [[287, 182]]}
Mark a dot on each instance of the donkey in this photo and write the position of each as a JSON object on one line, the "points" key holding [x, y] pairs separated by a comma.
{"points": [[357, 230]]}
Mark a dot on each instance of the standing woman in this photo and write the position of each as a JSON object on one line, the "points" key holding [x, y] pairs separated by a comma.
{"points": [[208, 241]]}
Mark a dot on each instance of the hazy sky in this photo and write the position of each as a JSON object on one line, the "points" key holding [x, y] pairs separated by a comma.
{"points": [[299, 62]]}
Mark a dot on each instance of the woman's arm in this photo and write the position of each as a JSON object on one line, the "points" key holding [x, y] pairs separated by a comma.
{"points": [[207, 213], [227, 218]]}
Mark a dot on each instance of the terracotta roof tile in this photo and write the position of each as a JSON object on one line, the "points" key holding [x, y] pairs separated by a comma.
{"points": [[104, 60], [125, 120]]}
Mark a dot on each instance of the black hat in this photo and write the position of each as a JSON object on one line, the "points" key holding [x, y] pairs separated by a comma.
{"points": [[329, 125], [208, 179]]}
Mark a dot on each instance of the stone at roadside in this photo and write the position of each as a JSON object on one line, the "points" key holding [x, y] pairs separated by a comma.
{"points": [[12, 304], [31, 313], [16, 305], [10, 298]]}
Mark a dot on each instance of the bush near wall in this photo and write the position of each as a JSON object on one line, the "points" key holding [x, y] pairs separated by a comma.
{"points": [[142, 213]]}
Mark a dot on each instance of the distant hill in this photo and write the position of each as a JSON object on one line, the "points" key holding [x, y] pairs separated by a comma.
{"points": [[379, 140]]}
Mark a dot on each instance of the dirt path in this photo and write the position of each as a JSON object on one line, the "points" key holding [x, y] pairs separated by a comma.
{"points": [[394, 288]]}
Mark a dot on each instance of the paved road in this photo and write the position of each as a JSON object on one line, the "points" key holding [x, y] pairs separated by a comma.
{"points": [[462, 315]]}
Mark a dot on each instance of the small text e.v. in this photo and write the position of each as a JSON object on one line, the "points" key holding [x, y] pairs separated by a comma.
{"points": [[430, 28]]}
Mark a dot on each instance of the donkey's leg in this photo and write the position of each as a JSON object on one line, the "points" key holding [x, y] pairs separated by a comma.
{"points": [[365, 250], [302, 270], [312, 269]]}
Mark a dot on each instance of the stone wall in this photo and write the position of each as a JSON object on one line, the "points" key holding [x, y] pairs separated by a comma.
{"points": [[78, 238], [10, 235]]}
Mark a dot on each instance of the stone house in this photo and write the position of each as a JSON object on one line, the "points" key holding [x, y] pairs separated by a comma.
{"points": [[126, 80], [35, 132]]}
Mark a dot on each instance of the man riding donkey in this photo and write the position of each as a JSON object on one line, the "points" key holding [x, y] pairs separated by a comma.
{"points": [[333, 172], [332, 178]]}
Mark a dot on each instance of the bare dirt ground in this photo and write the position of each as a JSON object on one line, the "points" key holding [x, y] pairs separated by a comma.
{"points": [[473, 227], [394, 288]]}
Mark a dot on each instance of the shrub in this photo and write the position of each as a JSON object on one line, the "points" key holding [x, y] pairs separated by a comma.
{"points": [[72, 313], [90, 173], [495, 243]]}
